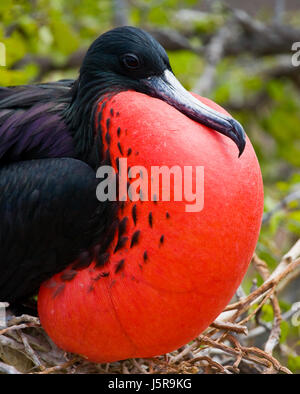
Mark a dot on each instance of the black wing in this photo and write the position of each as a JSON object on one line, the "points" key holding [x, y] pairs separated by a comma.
{"points": [[49, 217], [31, 121]]}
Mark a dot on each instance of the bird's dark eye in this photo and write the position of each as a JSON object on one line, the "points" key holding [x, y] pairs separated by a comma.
{"points": [[131, 61]]}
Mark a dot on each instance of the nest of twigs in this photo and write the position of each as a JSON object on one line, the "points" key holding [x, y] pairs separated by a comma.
{"points": [[224, 348]]}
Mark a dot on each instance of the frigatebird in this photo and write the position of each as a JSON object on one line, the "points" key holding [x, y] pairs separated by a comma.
{"points": [[51, 145]]}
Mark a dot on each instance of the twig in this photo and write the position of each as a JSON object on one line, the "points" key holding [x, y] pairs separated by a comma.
{"points": [[212, 364], [30, 352], [120, 13], [24, 318], [251, 354], [8, 369], [294, 196], [213, 54], [230, 327], [15, 327], [282, 270], [184, 352], [138, 366], [274, 336]]}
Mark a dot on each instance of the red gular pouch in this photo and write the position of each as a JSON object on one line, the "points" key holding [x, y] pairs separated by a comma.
{"points": [[171, 268]]}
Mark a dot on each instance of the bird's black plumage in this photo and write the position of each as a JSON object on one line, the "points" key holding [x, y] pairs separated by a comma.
{"points": [[47, 219], [31, 125], [50, 147]]}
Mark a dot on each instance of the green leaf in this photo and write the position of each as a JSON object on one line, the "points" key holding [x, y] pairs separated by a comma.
{"points": [[285, 329]]}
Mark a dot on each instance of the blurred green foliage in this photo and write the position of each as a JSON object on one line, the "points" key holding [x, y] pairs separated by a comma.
{"points": [[57, 28]]}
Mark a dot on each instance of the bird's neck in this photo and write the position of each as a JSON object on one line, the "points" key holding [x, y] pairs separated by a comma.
{"points": [[79, 117], [87, 94]]}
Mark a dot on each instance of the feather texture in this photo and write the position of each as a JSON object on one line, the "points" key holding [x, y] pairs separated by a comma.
{"points": [[32, 124]]}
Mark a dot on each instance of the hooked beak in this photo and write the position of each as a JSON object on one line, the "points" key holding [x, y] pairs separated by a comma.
{"points": [[170, 90]]}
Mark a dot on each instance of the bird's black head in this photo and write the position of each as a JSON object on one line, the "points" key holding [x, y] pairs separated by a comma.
{"points": [[122, 57], [128, 58]]}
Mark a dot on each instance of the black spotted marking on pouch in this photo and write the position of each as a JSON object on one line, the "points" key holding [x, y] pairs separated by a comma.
{"points": [[119, 266], [161, 240], [120, 148], [109, 236], [59, 289], [84, 260], [99, 117], [112, 112], [68, 275], [107, 124], [122, 226], [104, 274], [121, 243], [145, 256], [122, 205], [107, 159], [129, 152], [91, 288], [135, 238], [134, 214], [140, 266], [118, 114], [118, 131], [102, 259], [103, 105], [150, 219], [167, 215], [137, 153], [107, 138]]}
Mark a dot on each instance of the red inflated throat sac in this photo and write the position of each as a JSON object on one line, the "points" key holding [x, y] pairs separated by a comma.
{"points": [[168, 273]]}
